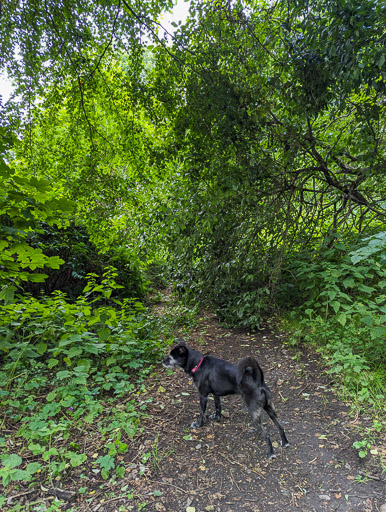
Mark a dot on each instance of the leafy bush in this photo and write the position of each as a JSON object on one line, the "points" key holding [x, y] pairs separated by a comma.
{"points": [[343, 310], [24, 203], [80, 257], [64, 367]]}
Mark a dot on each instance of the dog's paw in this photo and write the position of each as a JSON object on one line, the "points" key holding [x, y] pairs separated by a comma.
{"points": [[285, 445], [215, 417], [196, 424]]}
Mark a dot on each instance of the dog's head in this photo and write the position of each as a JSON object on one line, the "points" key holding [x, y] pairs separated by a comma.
{"points": [[178, 356]]}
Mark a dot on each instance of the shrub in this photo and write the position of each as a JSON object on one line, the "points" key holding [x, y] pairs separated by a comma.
{"points": [[64, 367]]}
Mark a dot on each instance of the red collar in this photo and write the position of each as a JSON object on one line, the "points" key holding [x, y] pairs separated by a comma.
{"points": [[198, 366]]}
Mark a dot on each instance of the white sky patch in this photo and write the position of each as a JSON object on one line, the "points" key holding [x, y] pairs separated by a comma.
{"points": [[180, 13], [6, 87]]}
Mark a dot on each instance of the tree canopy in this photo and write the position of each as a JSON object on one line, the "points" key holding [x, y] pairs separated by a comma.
{"points": [[252, 134], [255, 128]]}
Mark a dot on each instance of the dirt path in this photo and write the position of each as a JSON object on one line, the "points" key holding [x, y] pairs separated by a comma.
{"points": [[222, 466]]}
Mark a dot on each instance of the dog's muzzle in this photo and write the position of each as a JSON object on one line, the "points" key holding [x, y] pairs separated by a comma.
{"points": [[169, 362]]}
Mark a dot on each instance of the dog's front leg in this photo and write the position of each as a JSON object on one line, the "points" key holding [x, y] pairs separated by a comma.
{"points": [[272, 414], [256, 417], [201, 419], [217, 402]]}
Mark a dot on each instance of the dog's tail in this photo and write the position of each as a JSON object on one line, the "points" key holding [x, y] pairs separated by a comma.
{"points": [[248, 368]]}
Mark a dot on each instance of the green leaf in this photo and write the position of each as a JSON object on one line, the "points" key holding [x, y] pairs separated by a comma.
{"points": [[349, 282], [104, 333], [52, 363], [106, 462], [41, 348], [76, 459], [105, 474], [342, 318], [33, 467], [37, 278], [36, 448], [66, 205], [64, 374], [368, 320], [366, 289], [20, 474], [52, 452], [378, 332], [12, 461], [335, 305], [74, 351], [120, 471], [80, 380], [7, 293]]}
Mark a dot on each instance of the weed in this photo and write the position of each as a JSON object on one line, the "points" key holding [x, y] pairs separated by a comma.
{"points": [[65, 367], [365, 445], [343, 315], [157, 456]]}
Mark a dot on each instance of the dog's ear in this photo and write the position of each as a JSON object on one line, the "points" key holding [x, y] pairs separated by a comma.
{"points": [[182, 349], [182, 342]]}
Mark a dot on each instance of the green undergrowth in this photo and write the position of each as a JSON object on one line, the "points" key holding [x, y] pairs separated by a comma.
{"points": [[344, 315], [71, 371]]}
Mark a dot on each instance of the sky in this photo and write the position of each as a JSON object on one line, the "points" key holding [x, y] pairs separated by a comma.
{"points": [[180, 12]]}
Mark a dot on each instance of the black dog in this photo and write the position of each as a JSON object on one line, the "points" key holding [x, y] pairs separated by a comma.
{"points": [[220, 378]]}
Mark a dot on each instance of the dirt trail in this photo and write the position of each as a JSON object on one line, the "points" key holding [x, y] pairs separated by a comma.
{"points": [[222, 466]]}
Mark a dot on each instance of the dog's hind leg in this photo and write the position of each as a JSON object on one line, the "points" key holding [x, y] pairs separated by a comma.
{"points": [[256, 417], [201, 419], [217, 402], [270, 410]]}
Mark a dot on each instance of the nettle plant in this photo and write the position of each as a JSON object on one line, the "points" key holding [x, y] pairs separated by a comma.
{"points": [[345, 309], [65, 366]]}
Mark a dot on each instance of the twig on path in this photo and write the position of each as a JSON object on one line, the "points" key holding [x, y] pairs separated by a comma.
{"points": [[371, 477], [184, 491], [305, 387], [9, 500], [234, 481], [136, 457], [108, 501]]}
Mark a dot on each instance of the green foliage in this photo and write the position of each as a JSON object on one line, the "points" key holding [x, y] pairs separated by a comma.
{"points": [[72, 244], [364, 445], [276, 149], [65, 366], [54, 43], [24, 202], [242, 152], [342, 306], [10, 471]]}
